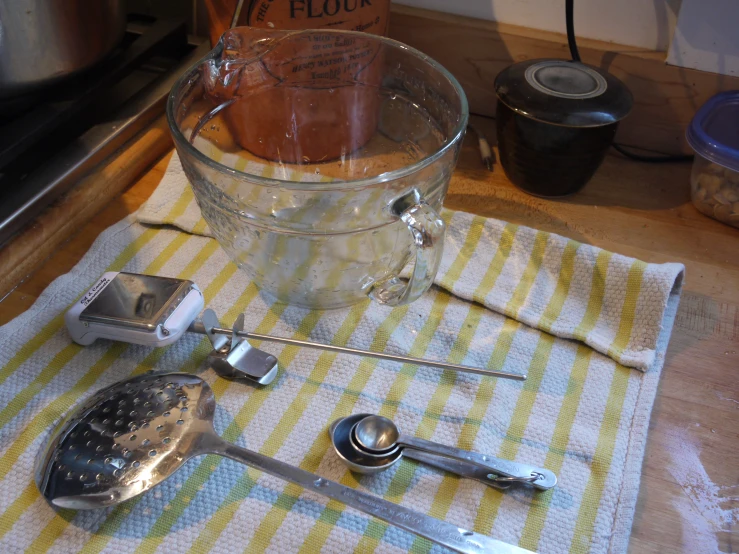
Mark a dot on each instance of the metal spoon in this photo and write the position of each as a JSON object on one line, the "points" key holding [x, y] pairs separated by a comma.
{"points": [[362, 460], [359, 461], [340, 434], [378, 434], [133, 435]]}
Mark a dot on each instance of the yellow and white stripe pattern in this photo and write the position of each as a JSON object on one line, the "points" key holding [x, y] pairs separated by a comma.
{"points": [[581, 413], [612, 303]]}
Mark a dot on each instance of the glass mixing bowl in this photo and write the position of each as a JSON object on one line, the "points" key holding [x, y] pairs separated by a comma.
{"points": [[320, 160]]}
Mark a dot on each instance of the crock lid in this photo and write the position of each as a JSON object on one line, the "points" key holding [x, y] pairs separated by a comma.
{"points": [[563, 93], [714, 131]]}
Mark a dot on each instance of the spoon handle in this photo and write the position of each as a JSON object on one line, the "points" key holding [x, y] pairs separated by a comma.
{"points": [[435, 530], [503, 470], [462, 469]]}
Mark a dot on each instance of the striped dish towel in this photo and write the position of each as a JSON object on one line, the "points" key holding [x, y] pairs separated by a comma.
{"points": [[566, 280], [582, 413]]}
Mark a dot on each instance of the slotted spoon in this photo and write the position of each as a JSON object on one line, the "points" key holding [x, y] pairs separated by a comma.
{"points": [[132, 435]]}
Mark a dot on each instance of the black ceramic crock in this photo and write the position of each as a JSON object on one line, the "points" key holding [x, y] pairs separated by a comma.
{"points": [[555, 122]]}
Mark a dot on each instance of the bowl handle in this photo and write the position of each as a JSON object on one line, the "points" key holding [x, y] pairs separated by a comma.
{"points": [[427, 231]]}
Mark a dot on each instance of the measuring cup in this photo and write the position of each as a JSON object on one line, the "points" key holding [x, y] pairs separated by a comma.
{"points": [[320, 160]]}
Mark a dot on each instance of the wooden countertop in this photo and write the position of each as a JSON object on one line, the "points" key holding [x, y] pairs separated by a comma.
{"points": [[690, 483]]}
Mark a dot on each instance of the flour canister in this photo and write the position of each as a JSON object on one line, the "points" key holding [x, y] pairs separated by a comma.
{"points": [[367, 16]]}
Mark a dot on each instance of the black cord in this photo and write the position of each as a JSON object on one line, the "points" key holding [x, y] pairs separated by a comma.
{"points": [[575, 54], [570, 21], [652, 159]]}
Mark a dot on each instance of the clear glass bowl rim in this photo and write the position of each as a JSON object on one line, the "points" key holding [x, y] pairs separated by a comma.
{"points": [[457, 135]]}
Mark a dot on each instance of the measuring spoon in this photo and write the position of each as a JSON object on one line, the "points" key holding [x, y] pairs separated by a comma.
{"points": [[376, 434]]}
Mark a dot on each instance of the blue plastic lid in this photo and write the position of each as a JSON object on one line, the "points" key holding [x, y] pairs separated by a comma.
{"points": [[714, 131]]}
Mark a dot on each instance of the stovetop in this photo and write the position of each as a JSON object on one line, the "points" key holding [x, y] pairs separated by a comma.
{"points": [[49, 141]]}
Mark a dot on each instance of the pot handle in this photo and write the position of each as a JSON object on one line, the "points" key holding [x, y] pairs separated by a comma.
{"points": [[427, 231]]}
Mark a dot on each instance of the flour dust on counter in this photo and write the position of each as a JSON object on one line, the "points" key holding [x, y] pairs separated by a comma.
{"points": [[707, 510]]}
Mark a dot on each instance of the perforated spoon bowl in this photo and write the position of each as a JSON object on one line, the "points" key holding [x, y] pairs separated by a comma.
{"points": [[133, 435]]}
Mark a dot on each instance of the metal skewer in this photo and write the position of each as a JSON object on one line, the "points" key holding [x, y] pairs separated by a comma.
{"points": [[198, 327]]}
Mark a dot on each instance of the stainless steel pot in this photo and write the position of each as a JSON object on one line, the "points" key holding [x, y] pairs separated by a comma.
{"points": [[43, 41]]}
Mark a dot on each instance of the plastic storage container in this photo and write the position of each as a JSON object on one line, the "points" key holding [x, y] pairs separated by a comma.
{"points": [[714, 135]]}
